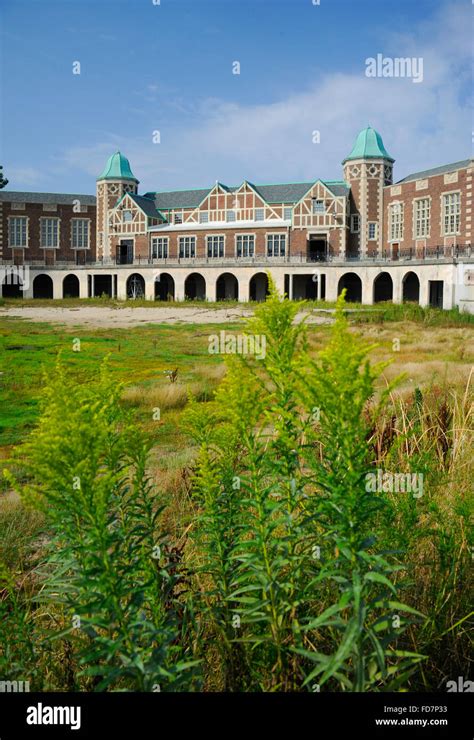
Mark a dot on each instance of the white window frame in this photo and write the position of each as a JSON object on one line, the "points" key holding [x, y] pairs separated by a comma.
{"points": [[127, 215], [43, 221], [25, 229], [421, 223], [448, 214], [164, 247], [396, 226], [228, 216], [74, 237], [271, 236], [314, 206], [192, 243], [285, 210], [203, 217], [376, 229], [244, 236], [260, 211], [355, 216], [215, 236], [178, 217]]}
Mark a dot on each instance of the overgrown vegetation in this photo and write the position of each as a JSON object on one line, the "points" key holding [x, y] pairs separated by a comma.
{"points": [[270, 565]]}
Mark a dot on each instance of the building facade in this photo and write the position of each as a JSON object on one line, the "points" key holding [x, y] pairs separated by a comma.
{"points": [[379, 239]]}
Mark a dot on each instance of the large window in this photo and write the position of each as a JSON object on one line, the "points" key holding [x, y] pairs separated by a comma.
{"points": [[187, 246], [452, 213], [18, 231], [276, 244], [318, 206], [80, 233], [396, 222], [50, 232], [215, 246], [159, 247], [245, 245], [422, 217]]}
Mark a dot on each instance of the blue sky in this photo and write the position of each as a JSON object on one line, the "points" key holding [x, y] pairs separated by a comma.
{"points": [[168, 67]]}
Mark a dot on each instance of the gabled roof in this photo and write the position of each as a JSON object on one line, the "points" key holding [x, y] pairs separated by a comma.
{"points": [[437, 170], [280, 193], [16, 196], [146, 204]]}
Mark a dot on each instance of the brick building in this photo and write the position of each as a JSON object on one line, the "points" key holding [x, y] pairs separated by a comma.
{"points": [[409, 240]]}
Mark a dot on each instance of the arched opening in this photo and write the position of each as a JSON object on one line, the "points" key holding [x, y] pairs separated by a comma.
{"points": [[12, 286], [135, 286], [353, 285], [227, 287], [42, 287], [411, 287], [195, 287], [258, 287], [383, 288], [164, 287], [71, 286]]}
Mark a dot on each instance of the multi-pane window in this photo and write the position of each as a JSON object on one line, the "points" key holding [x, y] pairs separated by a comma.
{"points": [[276, 244], [259, 214], [422, 217], [245, 245], [80, 233], [18, 231], [287, 213], [230, 216], [452, 213], [187, 246], [372, 230], [204, 217], [159, 247], [396, 222], [355, 223], [318, 206], [215, 246], [127, 216], [50, 232]]}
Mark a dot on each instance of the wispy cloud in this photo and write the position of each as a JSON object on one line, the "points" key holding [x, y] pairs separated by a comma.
{"points": [[422, 125]]}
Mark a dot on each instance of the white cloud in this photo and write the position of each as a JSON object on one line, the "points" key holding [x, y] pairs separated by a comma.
{"points": [[422, 124]]}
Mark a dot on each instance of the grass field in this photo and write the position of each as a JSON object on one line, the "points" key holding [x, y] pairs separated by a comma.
{"points": [[432, 350]]}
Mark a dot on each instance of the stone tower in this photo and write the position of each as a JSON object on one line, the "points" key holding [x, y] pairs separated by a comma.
{"points": [[116, 179], [367, 169]]}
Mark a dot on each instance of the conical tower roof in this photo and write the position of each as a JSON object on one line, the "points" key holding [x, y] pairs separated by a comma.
{"points": [[117, 168], [369, 145]]}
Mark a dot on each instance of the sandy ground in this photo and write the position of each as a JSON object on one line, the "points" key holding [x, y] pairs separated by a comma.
{"points": [[105, 316]]}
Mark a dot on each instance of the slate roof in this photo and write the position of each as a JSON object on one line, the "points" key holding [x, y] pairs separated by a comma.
{"points": [[437, 170], [14, 196], [279, 193], [146, 204]]}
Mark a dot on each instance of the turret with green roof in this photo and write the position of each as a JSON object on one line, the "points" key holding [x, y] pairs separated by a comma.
{"points": [[117, 168], [369, 145]]}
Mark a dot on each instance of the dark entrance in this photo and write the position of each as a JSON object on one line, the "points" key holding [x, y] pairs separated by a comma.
{"points": [[164, 287], [71, 286], [12, 287], [124, 253], [317, 249], [42, 287], [383, 288], [102, 285], [353, 285], [411, 287], [436, 293]]}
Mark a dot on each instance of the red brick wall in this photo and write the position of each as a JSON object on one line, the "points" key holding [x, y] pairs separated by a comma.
{"points": [[65, 252]]}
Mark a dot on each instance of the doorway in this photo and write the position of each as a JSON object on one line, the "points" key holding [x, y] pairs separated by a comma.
{"points": [[436, 293], [317, 249], [124, 253]]}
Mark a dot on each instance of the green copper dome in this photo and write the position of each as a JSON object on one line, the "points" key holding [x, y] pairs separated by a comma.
{"points": [[369, 145], [117, 168]]}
